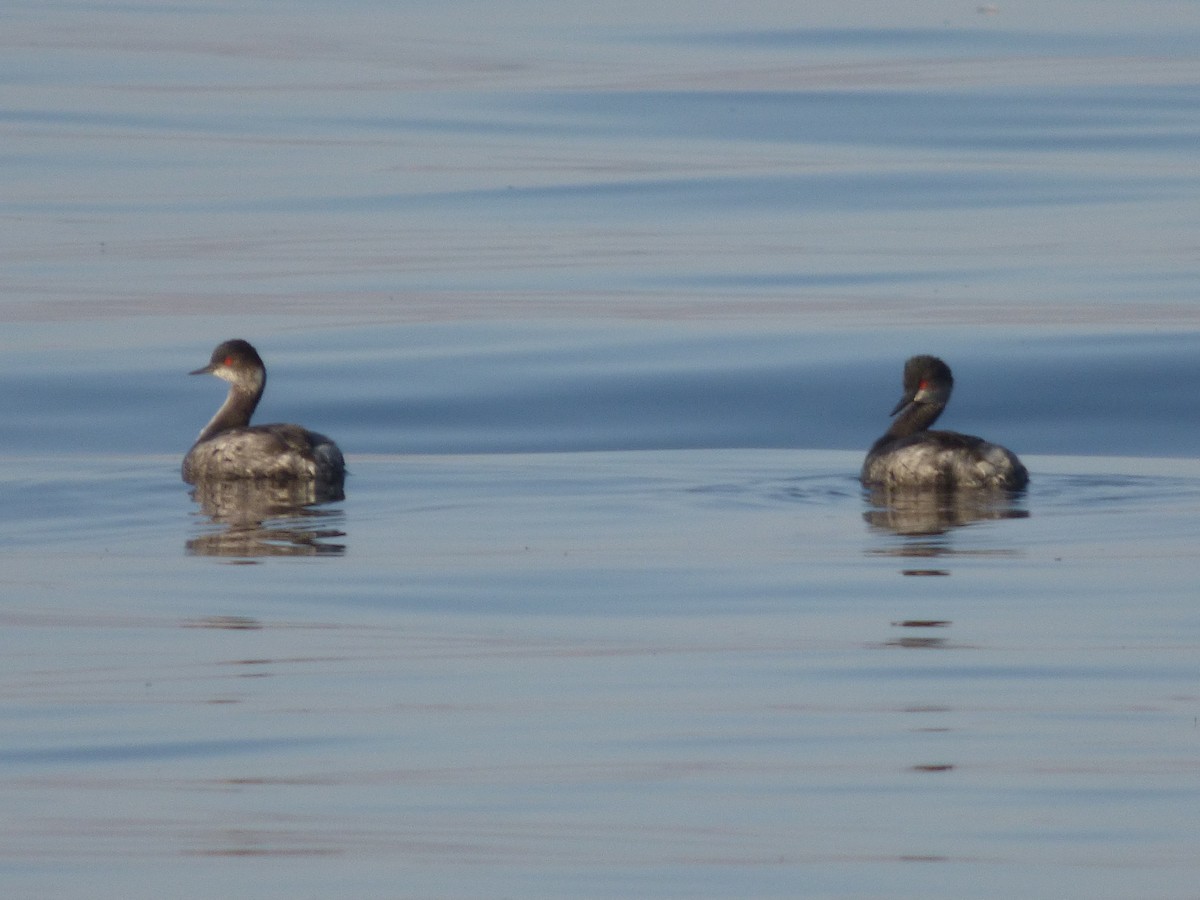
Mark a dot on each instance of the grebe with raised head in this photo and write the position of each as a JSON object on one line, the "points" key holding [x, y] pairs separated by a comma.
{"points": [[909, 455], [231, 448]]}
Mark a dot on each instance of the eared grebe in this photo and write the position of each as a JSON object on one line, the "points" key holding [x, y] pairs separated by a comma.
{"points": [[911, 456], [230, 447]]}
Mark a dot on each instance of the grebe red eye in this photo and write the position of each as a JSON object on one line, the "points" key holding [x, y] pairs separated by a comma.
{"points": [[229, 362], [920, 387]]}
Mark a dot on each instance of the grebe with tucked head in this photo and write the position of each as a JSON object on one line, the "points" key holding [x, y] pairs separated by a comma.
{"points": [[909, 455], [231, 448]]}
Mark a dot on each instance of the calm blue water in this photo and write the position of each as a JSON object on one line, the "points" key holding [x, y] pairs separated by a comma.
{"points": [[604, 305]]}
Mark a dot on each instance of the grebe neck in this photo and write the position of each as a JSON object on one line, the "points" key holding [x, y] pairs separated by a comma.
{"points": [[237, 409], [915, 418]]}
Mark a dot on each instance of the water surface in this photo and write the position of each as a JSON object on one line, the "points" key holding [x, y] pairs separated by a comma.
{"points": [[604, 305]]}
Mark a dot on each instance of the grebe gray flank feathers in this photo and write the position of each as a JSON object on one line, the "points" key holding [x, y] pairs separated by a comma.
{"points": [[909, 455], [229, 447]]}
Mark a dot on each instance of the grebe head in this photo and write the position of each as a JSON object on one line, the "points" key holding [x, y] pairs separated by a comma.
{"points": [[927, 384], [238, 363]]}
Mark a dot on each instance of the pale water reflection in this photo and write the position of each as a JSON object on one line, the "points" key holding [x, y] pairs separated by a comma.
{"points": [[263, 518], [934, 511]]}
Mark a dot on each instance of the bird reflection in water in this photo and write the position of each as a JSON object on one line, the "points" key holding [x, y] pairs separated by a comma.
{"points": [[931, 512], [264, 518]]}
